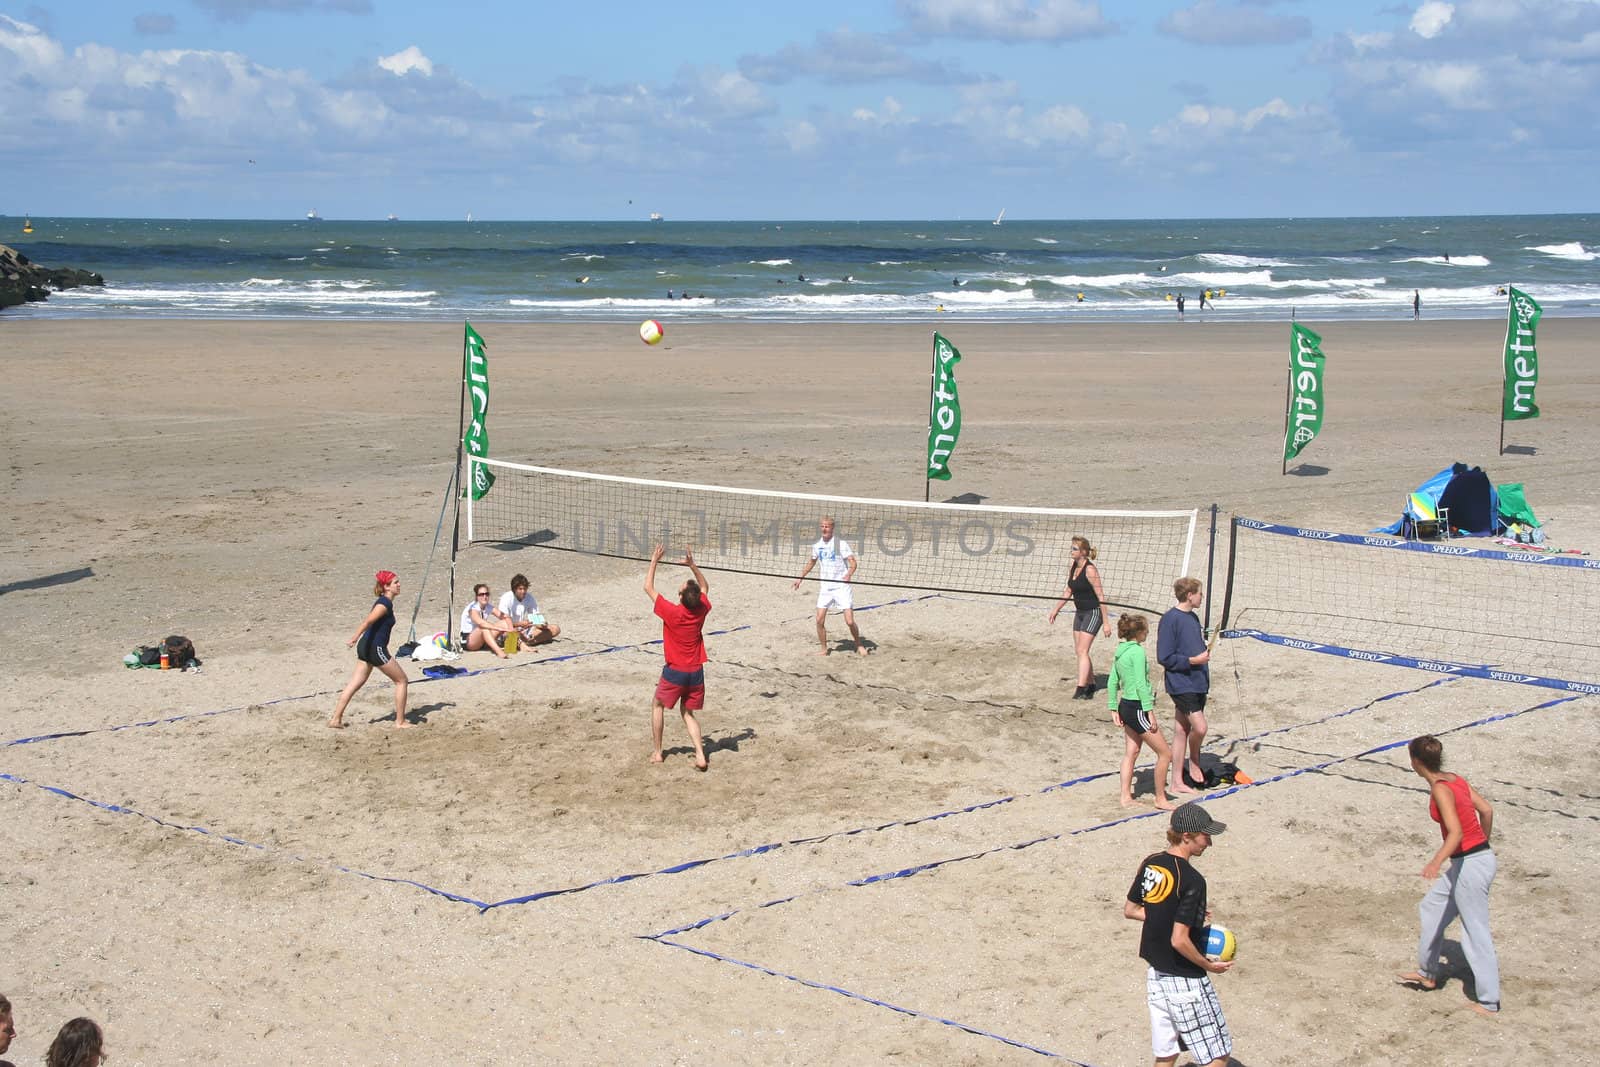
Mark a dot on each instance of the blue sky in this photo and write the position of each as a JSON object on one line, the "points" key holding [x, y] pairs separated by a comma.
{"points": [[874, 109]]}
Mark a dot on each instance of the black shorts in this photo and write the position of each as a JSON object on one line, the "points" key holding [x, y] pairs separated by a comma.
{"points": [[1188, 702], [1134, 717], [375, 654]]}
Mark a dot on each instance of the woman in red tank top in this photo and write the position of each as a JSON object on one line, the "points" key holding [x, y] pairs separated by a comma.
{"points": [[1461, 871]]}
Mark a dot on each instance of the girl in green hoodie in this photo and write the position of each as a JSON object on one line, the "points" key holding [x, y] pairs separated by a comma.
{"points": [[1131, 702]]}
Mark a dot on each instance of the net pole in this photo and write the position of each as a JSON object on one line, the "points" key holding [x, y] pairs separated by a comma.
{"points": [[1288, 396], [1211, 559], [455, 522], [1233, 552]]}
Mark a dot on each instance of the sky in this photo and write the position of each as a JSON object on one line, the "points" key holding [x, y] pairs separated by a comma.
{"points": [[873, 109]]}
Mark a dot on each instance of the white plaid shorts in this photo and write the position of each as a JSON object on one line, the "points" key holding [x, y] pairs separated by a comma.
{"points": [[1185, 1014]]}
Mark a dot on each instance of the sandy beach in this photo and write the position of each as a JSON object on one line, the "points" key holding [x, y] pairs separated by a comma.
{"points": [[243, 885]]}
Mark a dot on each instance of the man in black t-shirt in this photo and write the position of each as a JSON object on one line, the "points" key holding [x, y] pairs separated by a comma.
{"points": [[1169, 896]]}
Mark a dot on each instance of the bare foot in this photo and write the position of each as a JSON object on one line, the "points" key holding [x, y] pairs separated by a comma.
{"points": [[701, 763], [656, 757], [1180, 788], [1126, 801], [824, 652], [335, 724], [861, 650], [1487, 1013], [1417, 980], [1165, 804]]}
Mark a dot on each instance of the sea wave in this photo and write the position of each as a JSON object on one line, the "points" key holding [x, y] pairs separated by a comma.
{"points": [[1227, 259], [772, 262], [1448, 261], [1570, 250]]}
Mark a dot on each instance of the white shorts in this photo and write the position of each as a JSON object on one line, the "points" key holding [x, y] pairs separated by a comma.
{"points": [[1185, 1014], [836, 595]]}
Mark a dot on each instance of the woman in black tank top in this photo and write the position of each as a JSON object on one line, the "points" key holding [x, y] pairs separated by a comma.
{"points": [[1086, 593], [371, 643]]}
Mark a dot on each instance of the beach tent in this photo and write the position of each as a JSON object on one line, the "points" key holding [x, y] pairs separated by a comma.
{"points": [[1465, 492], [1514, 506]]}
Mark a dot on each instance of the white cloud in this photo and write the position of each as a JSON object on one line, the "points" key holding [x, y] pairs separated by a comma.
{"points": [[407, 60], [1431, 18], [1007, 20], [1208, 22], [29, 44], [1459, 84]]}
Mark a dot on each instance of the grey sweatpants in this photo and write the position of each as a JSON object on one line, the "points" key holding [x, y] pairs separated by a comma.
{"points": [[1462, 889]]}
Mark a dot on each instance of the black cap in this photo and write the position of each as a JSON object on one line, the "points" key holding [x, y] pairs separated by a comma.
{"points": [[1193, 819]]}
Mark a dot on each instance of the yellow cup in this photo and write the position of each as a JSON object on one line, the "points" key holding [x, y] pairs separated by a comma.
{"points": [[511, 642]]}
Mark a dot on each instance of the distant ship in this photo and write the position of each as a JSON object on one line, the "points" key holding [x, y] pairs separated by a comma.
{"points": [[655, 216], [1000, 216], [393, 217], [312, 216]]}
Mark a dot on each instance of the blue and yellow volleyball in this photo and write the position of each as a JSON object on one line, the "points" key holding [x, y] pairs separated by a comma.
{"points": [[441, 639], [1220, 944], [651, 332]]}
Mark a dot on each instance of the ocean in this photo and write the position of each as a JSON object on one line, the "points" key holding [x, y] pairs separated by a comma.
{"points": [[1018, 271]]}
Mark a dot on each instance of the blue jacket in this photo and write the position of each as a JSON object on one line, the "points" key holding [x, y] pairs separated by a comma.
{"points": [[1178, 637]]}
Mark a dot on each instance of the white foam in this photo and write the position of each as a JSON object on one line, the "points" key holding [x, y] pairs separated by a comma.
{"points": [[1571, 250], [772, 262], [1047, 240], [1226, 259], [1453, 261], [585, 256]]}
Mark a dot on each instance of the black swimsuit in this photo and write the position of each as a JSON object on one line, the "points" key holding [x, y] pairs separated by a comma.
{"points": [[373, 645]]}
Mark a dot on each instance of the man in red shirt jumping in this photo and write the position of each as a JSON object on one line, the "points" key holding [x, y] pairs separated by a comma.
{"points": [[684, 677]]}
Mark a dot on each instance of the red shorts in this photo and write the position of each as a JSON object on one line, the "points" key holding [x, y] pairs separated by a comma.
{"points": [[687, 686]]}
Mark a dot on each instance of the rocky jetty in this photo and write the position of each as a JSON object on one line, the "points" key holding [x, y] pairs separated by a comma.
{"points": [[22, 280]]}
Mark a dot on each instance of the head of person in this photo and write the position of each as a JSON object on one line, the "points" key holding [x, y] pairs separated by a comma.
{"points": [[79, 1044], [8, 1029], [480, 592], [519, 585], [689, 595], [1193, 825], [1188, 591], [385, 583], [1427, 751], [1082, 548], [825, 525], [1132, 628]]}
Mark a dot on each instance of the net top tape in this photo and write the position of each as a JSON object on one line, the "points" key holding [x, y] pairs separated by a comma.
{"points": [[1429, 547], [870, 501]]}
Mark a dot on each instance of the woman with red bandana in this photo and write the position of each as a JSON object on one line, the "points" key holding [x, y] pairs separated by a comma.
{"points": [[371, 643]]}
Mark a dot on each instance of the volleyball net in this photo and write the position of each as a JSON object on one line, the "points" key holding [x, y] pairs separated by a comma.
{"points": [[969, 548], [1456, 603]]}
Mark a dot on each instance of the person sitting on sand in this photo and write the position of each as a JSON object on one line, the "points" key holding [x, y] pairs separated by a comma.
{"points": [[518, 607], [1131, 702], [80, 1043], [371, 643], [481, 625], [683, 646]]}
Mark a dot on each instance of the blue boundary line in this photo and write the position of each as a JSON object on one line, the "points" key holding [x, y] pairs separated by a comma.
{"points": [[661, 938], [118, 809], [1433, 548], [976, 1031], [1460, 670]]}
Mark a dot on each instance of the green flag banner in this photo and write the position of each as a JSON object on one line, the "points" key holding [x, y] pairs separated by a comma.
{"points": [[475, 367], [1522, 358], [944, 409], [1303, 419]]}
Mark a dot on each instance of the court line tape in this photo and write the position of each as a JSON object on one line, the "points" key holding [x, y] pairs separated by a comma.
{"points": [[662, 938], [119, 809], [875, 1002], [1460, 670], [565, 657]]}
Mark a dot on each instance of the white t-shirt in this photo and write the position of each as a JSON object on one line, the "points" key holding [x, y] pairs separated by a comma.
{"points": [[520, 611], [467, 625], [831, 557]]}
